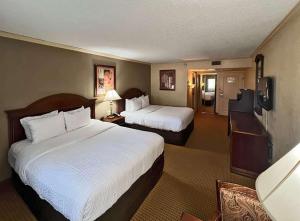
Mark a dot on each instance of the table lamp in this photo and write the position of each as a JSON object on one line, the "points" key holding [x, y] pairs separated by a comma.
{"points": [[278, 188], [111, 96]]}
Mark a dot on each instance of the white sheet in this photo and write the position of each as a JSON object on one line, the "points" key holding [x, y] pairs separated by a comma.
{"points": [[161, 117], [208, 96], [84, 172]]}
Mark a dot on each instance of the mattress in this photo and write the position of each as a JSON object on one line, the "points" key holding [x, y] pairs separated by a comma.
{"points": [[208, 96], [84, 172], [161, 117]]}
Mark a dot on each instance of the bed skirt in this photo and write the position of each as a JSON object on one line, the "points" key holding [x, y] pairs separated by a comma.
{"points": [[170, 137], [122, 210]]}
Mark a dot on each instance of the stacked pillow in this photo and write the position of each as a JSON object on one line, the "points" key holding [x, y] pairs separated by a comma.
{"points": [[135, 104], [77, 119], [145, 101], [43, 127]]}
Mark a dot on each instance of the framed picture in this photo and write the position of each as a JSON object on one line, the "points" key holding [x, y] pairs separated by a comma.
{"points": [[167, 80], [105, 79], [259, 60], [259, 73]]}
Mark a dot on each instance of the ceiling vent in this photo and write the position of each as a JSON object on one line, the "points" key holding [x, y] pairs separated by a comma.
{"points": [[215, 63]]}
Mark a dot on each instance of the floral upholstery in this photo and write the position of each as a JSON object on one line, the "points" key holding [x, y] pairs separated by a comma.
{"points": [[238, 203]]}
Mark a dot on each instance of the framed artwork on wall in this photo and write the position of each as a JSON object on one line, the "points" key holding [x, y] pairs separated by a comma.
{"points": [[259, 73], [105, 79], [259, 60], [167, 80]]}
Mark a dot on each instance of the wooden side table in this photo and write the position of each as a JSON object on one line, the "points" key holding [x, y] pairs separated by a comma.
{"points": [[120, 120], [188, 217]]}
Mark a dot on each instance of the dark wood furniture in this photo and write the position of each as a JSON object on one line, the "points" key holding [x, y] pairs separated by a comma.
{"points": [[177, 138], [120, 120], [126, 205], [244, 103], [188, 217], [249, 153], [61, 102]]}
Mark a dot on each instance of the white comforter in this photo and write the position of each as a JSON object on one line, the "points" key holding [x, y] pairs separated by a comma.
{"points": [[84, 172], [161, 117]]}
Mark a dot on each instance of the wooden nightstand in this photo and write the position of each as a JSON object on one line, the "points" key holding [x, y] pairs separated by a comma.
{"points": [[116, 120]]}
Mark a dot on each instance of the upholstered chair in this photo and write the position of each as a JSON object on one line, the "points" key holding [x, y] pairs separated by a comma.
{"points": [[238, 203]]}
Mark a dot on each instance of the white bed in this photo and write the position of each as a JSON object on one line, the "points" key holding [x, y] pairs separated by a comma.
{"points": [[161, 117], [71, 164], [208, 96]]}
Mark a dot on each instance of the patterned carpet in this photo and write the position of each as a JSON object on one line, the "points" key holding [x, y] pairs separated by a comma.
{"points": [[187, 184], [190, 173], [12, 208]]}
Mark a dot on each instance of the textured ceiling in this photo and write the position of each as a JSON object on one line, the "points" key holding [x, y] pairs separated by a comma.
{"points": [[149, 30]]}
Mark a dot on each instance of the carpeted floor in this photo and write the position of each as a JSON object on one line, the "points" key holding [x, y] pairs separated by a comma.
{"points": [[188, 181], [187, 184], [12, 208]]}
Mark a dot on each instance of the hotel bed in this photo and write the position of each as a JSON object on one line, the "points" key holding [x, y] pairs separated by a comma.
{"points": [[96, 172], [173, 123], [208, 95]]}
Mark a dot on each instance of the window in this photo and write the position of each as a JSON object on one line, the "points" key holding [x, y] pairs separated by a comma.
{"points": [[211, 84]]}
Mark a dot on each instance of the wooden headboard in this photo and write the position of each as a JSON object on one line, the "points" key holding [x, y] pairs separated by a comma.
{"points": [[60, 102], [129, 94]]}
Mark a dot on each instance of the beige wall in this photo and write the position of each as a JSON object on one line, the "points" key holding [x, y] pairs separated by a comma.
{"points": [[30, 71], [179, 97], [282, 62], [229, 63], [250, 78], [175, 98]]}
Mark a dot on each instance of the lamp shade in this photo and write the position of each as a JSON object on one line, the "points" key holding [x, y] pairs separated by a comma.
{"points": [[112, 95], [278, 188]]}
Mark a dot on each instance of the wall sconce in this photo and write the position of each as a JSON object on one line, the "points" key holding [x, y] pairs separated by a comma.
{"points": [[191, 85]]}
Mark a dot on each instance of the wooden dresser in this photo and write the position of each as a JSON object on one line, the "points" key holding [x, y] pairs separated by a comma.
{"points": [[249, 153]]}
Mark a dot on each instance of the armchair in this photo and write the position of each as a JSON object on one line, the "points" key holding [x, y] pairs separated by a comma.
{"points": [[237, 202]]}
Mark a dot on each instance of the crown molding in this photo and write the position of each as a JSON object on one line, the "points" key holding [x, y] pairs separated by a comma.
{"points": [[63, 46], [277, 29]]}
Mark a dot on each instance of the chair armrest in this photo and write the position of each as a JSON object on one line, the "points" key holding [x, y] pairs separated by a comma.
{"points": [[236, 202]]}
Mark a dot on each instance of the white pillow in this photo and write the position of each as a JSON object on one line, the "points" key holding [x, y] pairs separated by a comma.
{"points": [[47, 127], [145, 101], [24, 122], [128, 104], [133, 104], [74, 111], [77, 119]]}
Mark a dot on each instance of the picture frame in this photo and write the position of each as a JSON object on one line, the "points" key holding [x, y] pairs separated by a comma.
{"points": [[259, 60], [104, 79], [167, 80], [259, 73]]}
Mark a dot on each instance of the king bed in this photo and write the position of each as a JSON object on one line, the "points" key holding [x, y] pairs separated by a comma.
{"points": [[95, 172], [174, 124]]}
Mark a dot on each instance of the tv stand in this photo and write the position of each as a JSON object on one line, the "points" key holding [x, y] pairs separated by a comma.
{"points": [[249, 141]]}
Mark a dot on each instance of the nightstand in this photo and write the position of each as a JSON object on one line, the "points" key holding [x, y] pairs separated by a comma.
{"points": [[116, 120]]}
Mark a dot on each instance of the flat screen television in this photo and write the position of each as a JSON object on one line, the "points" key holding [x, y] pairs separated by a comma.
{"points": [[265, 93]]}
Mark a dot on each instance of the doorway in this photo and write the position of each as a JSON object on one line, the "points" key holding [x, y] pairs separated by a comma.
{"points": [[209, 90], [208, 93]]}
